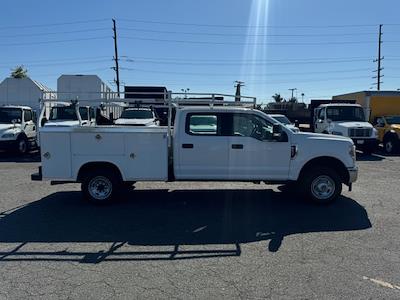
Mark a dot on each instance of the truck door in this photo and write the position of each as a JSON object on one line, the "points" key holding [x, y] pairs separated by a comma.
{"points": [[253, 153], [202, 152], [29, 125], [319, 122]]}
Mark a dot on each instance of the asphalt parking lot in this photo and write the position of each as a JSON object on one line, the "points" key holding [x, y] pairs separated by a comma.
{"points": [[199, 240]]}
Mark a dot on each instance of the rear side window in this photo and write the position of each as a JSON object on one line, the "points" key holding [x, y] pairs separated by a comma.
{"points": [[202, 124]]}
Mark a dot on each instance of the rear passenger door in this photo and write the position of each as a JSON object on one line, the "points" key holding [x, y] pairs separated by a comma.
{"points": [[203, 151]]}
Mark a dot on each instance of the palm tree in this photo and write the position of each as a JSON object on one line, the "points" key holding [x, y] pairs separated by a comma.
{"points": [[277, 97], [19, 72]]}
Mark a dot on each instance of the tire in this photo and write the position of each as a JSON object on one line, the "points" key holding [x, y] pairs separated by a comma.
{"points": [[321, 185], [100, 186], [391, 145], [22, 145]]}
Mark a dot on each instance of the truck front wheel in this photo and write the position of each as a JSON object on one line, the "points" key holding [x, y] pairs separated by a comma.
{"points": [[22, 145], [391, 145], [100, 187], [321, 185]]}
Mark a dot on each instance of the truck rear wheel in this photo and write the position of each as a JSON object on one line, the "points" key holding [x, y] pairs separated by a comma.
{"points": [[321, 185], [101, 186], [391, 145]]}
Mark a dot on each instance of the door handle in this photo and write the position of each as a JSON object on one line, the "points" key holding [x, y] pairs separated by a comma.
{"points": [[187, 146], [237, 146]]}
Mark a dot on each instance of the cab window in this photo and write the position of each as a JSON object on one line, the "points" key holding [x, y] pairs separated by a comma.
{"points": [[27, 115], [248, 125], [202, 124]]}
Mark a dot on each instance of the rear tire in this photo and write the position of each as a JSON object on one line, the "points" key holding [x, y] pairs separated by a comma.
{"points": [[321, 185], [391, 145], [100, 186]]}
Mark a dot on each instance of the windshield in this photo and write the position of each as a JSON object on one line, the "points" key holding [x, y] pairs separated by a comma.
{"points": [[7, 115], [393, 120], [345, 113], [282, 119], [63, 113], [137, 114]]}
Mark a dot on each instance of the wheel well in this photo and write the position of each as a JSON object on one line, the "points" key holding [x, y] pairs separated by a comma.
{"points": [[92, 166], [22, 135], [327, 161], [390, 135]]}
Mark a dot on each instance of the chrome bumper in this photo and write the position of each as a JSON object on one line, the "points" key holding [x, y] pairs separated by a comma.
{"points": [[353, 174]]}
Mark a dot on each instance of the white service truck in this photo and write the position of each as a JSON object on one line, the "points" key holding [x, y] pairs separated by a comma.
{"points": [[18, 130], [344, 119], [206, 143]]}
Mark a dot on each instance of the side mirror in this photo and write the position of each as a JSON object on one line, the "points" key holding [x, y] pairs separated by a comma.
{"points": [[43, 121], [276, 131]]}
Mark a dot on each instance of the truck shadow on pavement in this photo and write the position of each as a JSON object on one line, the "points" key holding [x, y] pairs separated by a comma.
{"points": [[190, 223], [33, 156]]}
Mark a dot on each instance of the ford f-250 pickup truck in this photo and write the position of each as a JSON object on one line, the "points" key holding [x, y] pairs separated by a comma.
{"points": [[220, 143]]}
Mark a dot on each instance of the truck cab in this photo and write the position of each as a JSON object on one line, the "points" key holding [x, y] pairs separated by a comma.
{"points": [[388, 128], [346, 120], [68, 115], [18, 130]]}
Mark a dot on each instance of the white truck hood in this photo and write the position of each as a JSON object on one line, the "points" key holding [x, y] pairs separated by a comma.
{"points": [[138, 122], [67, 123], [6, 127], [322, 136], [352, 124]]}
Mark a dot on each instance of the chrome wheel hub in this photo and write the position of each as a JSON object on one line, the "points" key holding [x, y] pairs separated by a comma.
{"points": [[323, 187], [100, 187], [389, 146]]}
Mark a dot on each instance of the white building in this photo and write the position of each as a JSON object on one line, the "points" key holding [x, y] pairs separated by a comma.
{"points": [[24, 91], [83, 87]]}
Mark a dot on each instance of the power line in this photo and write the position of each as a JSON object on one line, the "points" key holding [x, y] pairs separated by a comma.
{"points": [[248, 74], [56, 41], [244, 26], [248, 44], [244, 35], [53, 24], [54, 33], [241, 63], [64, 59], [62, 63]]}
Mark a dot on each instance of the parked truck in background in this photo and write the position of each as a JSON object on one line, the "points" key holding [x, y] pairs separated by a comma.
{"points": [[207, 143], [18, 130], [346, 119], [382, 109]]}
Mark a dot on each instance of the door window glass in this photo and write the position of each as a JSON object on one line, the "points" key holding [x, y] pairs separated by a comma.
{"points": [[249, 125], [27, 115], [202, 124]]}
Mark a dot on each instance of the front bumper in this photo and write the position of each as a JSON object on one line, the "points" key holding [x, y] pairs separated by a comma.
{"points": [[361, 143], [353, 174]]}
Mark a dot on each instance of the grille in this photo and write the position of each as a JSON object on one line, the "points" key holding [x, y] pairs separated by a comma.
{"points": [[360, 132]]}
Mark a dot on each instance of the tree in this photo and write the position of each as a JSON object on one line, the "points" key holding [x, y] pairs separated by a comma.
{"points": [[277, 98], [293, 100], [19, 72]]}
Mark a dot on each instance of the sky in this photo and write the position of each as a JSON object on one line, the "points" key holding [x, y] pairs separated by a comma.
{"points": [[321, 48]]}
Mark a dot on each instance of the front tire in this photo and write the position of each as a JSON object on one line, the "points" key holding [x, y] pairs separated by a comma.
{"points": [[22, 145], [391, 145], [100, 187], [321, 185]]}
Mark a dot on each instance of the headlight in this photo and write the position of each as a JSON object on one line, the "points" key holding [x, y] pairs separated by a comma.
{"points": [[374, 133], [352, 152], [337, 133], [7, 135]]}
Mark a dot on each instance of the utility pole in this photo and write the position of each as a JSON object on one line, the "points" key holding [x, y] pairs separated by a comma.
{"points": [[379, 60], [294, 89], [238, 85], [116, 56]]}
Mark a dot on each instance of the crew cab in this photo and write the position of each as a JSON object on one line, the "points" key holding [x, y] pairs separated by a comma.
{"points": [[17, 129], [346, 120], [220, 143], [389, 133]]}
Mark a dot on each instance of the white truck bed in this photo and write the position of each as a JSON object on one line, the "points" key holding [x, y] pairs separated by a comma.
{"points": [[141, 152]]}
